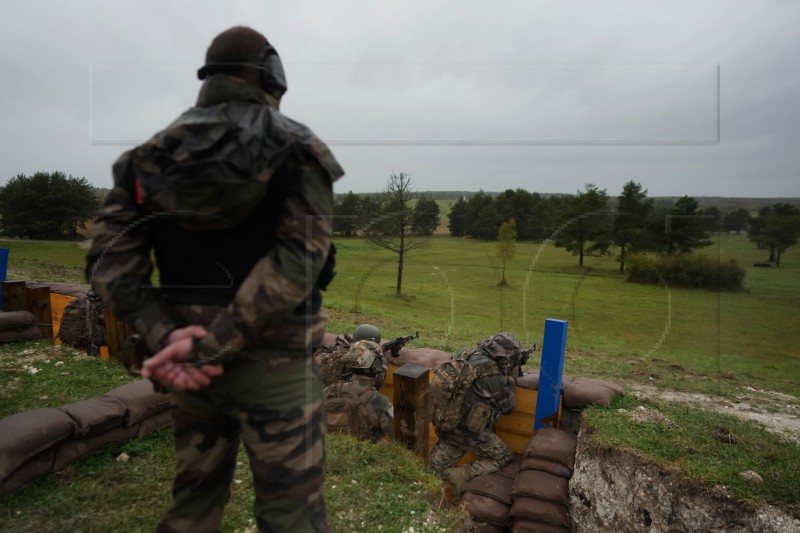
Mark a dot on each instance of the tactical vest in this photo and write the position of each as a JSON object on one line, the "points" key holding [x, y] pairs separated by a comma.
{"points": [[210, 186]]}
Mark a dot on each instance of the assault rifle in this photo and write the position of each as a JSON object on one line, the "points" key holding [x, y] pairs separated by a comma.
{"points": [[397, 344], [524, 355]]}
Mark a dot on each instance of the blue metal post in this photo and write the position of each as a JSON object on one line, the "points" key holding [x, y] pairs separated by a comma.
{"points": [[3, 271], [554, 344]]}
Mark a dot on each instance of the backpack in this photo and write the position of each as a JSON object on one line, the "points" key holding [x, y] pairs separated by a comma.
{"points": [[329, 360], [345, 414], [450, 383], [78, 331]]}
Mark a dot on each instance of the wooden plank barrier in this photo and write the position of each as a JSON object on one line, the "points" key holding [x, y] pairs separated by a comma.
{"points": [[58, 302], [514, 428], [14, 295], [48, 301], [116, 333], [37, 301], [410, 399]]}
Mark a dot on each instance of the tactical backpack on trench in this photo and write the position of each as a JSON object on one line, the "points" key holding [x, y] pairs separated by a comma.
{"points": [[345, 414], [450, 383]]}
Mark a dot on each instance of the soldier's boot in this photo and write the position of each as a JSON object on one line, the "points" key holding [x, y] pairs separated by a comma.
{"points": [[458, 478]]}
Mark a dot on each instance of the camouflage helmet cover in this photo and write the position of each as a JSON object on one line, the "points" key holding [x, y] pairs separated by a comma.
{"points": [[367, 332], [501, 346], [363, 354], [366, 356]]}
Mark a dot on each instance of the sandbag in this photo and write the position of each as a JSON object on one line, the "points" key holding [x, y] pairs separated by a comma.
{"points": [[95, 415], [528, 381], [72, 450], [24, 435], [155, 422], [140, 400], [329, 339], [16, 320], [544, 465], [553, 445], [29, 333], [522, 525], [582, 392], [428, 357], [28, 471], [485, 509], [511, 469], [541, 485], [492, 486], [525, 508], [484, 527]]}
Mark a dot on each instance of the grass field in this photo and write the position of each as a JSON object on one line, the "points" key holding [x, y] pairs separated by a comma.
{"points": [[451, 295], [684, 339], [677, 339]]}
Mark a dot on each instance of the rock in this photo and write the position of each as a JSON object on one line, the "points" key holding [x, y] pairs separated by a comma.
{"points": [[752, 477]]}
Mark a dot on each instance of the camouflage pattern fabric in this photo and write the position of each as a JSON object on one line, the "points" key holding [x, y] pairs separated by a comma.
{"points": [[495, 391], [119, 264], [501, 346], [493, 454], [206, 173], [273, 404], [380, 411], [329, 360]]}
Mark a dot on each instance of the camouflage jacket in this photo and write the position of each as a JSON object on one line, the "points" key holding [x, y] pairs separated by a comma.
{"points": [[329, 360], [379, 408], [216, 165], [494, 390]]}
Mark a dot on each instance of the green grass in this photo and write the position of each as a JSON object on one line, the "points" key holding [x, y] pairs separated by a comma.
{"points": [[62, 261], [99, 493], [707, 448], [37, 374], [690, 340], [451, 296]]}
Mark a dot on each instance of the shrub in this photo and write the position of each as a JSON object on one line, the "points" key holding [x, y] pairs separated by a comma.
{"points": [[686, 270]]}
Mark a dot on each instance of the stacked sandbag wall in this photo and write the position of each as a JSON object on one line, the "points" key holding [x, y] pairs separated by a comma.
{"points": [[37, 442], [18, 326]]}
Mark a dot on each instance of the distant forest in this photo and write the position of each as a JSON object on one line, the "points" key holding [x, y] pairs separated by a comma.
{"points": [[723, 203]]}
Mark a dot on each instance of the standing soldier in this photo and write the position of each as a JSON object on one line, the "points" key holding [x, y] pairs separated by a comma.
{"points": [[354, 405], [487, 396], [235, 200]]}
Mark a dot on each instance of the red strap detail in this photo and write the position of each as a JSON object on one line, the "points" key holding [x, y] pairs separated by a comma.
{"points": [[138, 187]]}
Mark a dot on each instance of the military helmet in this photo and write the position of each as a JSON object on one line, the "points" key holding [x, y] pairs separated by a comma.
{"points": [[366, 356], [502, 347], [367, 332]]}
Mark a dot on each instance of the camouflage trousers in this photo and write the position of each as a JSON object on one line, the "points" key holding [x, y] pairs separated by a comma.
{"points": [[493, 454], [273, 405]]}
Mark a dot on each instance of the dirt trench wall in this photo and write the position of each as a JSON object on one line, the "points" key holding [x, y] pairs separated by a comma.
{"points": [[613, 490]]}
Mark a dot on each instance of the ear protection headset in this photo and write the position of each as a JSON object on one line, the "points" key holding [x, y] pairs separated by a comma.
{"points": [[272, 78]]}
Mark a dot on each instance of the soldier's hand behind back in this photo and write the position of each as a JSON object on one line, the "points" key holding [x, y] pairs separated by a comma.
{"points": [[169, 368]]}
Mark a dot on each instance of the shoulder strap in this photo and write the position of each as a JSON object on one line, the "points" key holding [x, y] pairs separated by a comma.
{"points": [[361, 403]]}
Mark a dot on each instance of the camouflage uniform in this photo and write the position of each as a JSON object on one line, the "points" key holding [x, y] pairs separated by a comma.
{"points": [[380, 412], [236, 200], [329, 360], [493, 454]]}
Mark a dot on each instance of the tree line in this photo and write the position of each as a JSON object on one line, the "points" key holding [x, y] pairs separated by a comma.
{"points": [[47, 205], [590, 222]]}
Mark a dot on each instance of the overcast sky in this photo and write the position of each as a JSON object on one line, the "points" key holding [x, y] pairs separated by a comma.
{"points": [[692, 97]]}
